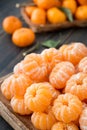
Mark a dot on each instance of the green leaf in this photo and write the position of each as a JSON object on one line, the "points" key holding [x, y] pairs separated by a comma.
{"points": [[51, 43], [68, 13]]}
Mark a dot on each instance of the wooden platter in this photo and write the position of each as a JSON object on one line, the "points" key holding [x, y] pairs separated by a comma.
{"points": [[16, 121], [51, 27]]}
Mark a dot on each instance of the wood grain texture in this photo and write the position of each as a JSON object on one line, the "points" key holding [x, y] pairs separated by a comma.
{"points": [[15, 120], [51, 27]]}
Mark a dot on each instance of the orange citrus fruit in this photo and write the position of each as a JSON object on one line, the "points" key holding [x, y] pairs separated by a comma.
{"points": [[67, 108], [17, 69], [46, 4], [35, 1], [83, 119], [35, 67], [43, 120], [61, 49], [38, 16], [52, 57], [6, 88], [82, 2], [11, 23], [29, 10], [60, 74], [70, 4], [15, 85], [64, 126], [19, 107], [23, 37], [75, 52], [77, 85], [82, 66], [54, 15], [37, 97], [81, 13]]}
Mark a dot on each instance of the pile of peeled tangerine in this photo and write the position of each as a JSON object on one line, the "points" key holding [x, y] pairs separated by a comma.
{"points": [[51, 87]]}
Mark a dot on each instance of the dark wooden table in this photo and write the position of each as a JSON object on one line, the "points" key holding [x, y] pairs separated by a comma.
{"points": [[10, 54]]}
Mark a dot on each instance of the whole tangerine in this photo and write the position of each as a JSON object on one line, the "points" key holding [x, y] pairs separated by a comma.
{"points": [[54, 15], [70, 4], [35, 1], [46, 4], [11, 23], [23, 37], [29, 10], [38, 16], [81, 13], [82, 2]]}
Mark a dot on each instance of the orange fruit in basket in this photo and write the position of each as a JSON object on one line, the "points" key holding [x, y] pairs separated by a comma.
{"points": [[82, 2], [52, 56], [35, 1], [77, 85], [11, 23], [60, 74], [37, 97], [29, 10], [82, 66], [54, 15], [70, 4], [43, 120], [83, 119], [81, 13], [38, 16], [19, 107], [46, 4], [35, 67], [23, 37], [64, 126], [67, 108], [75, 52]]}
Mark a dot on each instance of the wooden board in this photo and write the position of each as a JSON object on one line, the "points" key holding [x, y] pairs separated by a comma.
{"points": [[51, 27], [16, 121]]}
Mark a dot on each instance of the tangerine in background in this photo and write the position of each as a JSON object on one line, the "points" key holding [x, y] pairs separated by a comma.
{"points": [[23, 37], [38, 16], [82, 2], [46, 4], [29, 10], [70, 4], [54, 15], [35, 1], [81, 13], [11, 23]]}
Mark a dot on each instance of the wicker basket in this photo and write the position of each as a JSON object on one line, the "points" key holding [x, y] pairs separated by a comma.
{"points": [[51, 27]]}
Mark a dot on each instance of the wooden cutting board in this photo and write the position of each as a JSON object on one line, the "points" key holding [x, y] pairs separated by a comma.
{"points": [[16, 121]]}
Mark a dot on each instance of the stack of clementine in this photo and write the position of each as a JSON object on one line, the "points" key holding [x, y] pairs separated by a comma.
{"points": [[52, 87], [49, 11]]}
